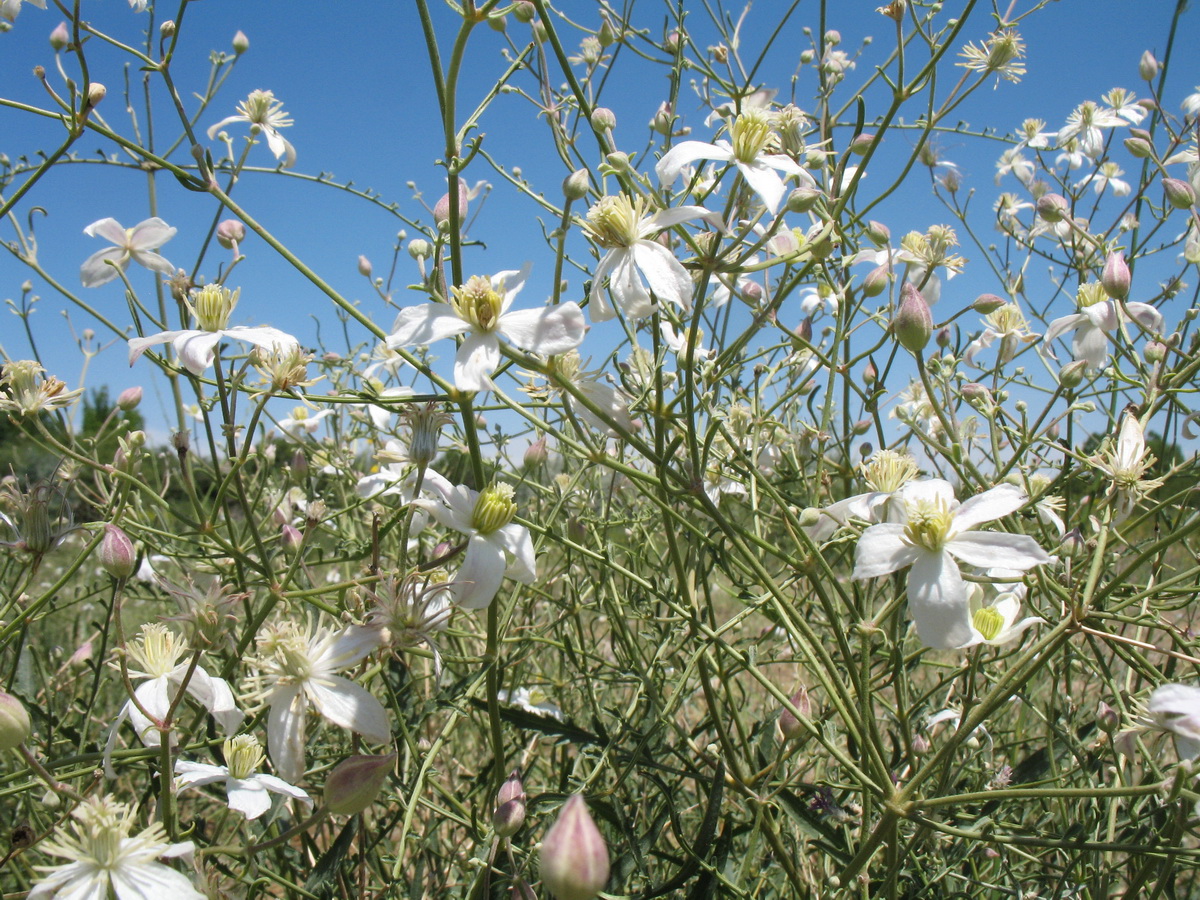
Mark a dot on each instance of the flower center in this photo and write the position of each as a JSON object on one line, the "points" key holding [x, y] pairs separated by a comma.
{"points": [[1090, 294], [887, 471], [988, 622], [478, 302], [494, 509], [614, 220], [212, 306], [929, 523], [751, 133], [156, 650], [288, 651], [243, 756], [1007, 319]]}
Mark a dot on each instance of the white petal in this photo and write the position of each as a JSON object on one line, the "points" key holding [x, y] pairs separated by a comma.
{"points": [[261, 336], [150, 234], [666, 275], [213, 129], [1091, 345], [285, 731], [96, 270], [247, 796], [153, 261], [351, 706], [425, 324], [151, 881], [109, 229], [937, 601], [509, 283], [765, 182], [668, 218], [668, 168], [882, 550], [194, 775], [76, 881], [991, 504], [477, 358], [1146, 316], [139, 345], [349, 646], [627, 289], [279, 786], [519, 544], [549, 330], [478, 579], [987, 549], [195, 349]]}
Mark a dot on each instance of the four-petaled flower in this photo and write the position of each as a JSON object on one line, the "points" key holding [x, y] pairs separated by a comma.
{"points": [[246, 789], [481, 306], [139, 243], [263, 113], [1127, 464], [1006, 324], [1097, 316], [932, 531]]}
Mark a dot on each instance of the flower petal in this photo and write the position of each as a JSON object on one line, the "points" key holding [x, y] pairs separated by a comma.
{"points": [[109, 229], [988, 549], [937, 601], [350, 706], [285, 731], [625, 282], [549, 330], [195, 349], [882, 550], [666, 275], [991, 504], [425, 324], [519, 544], [478, 579], [765, 182], [96, 269], [149, 234], [477, 358], [668, 168], [247, 796]]}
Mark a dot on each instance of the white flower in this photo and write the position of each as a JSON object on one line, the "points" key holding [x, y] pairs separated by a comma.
{"points": [[996, 622], [1127, 464], [621, 226], [496, 546], [885, 473], [1106, 176], [411, 611], [818, 298], [10, 8], [138, 243], [1176, 708], [1001, 53], [532, 701], [196, 348], [1085, 125], [612, 402], [481, 306], [263, 113], [681, 345], [105, 857], [1121, 103], [295, 667], [301, 424], [1007, 324], [752, 134], [1034, 138], [1097, 316], [159, 655], [933, 531], [246, 788], [1190, 104], [1013, 161]]}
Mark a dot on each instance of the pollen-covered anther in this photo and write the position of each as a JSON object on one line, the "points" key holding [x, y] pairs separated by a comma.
{"points": [[478, 303], [929, 523], [494, 509]]}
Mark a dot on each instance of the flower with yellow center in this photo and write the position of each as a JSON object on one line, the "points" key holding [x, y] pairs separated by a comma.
{"points": [[139, 243], [1098, 316], [1001, 53], [27, 392], [753, 135], [496, 546], [1006, 324], [1127, 465], [105, 857], [885, 473], [264, 114], [932, 534], [247, 790], [481, 307]]}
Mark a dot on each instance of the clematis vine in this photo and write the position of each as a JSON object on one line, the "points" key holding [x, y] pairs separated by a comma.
{"points": [[481, 307], [1097, 317], [139, 243], [211, 306], [931, 532]]}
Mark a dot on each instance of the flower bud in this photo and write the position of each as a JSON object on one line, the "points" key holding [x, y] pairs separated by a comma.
{"points": [[1053, 207], [870, 373], [117, 556], [167, 29], [1107, 718], [364, 266], [95, 94], [986, 304], [1154, 351], [976, 394], [1115, 277], [419, 248], [1148, 66], [575, 186], [536, 454], [913, 323], [241, 43], [619, 160], [1070, 376], [355, 782], [807, 56], [943, 337], [876, 281], [510, 806], [441, 211], [1139, 148], [833, 37], [608, 34], [878, 233], [920, 745], [789, 726], [230, 233], [60, 37], [291, 537], [129, 399], [1180, 194], [861, 143], [574, 858], [14, 722], [523, 11], [603, 119], [803, 199]]}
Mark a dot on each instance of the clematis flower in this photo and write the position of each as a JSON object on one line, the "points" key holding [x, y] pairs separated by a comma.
{"points": [[1097, 316], [1006, 324], [496, 546], [931, 533], [139, 243], [1126, 465], [885, 473], [296, 666], [263, 113], [26, 389], [621, 226], [246, 789], [612, 402], [10, 8], [158, 653], [1176, 708], [752, 134], [481, 306], [211, 306], [104, 858], [996, 622], [1085, 125]]}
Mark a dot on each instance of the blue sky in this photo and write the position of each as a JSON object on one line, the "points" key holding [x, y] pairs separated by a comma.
{"points": [[359, 89]]}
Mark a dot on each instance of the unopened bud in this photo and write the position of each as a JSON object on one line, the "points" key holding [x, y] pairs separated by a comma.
{"points": [[878, 233], [1139, 148], [230, 233], [95, 94], [1053, 207], [117, 555], [1115, 277], [619, 160], [861, 143], [575, 186], [14, 722], [603, 119], [1155, 351], [807, 56], [291, 537], [789, 726], [1148, 66], [608, 34], [920, 745], [1180, 194], [299, 464], [167, 29], [913, 323], [1072, 543], [870, 373], [355, 783], [510, 807], [129, 399], [574, 858], [1070, 376], [976, 394], [364, 266], [985, 304], [1107, 718], [441, 211], [241, 43], [419, 248], [876, 281], [536, 454], [523, 11], [60, 37], [943, 337], [833, 37]]}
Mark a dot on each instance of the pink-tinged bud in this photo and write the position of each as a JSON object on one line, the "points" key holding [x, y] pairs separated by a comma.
{"points": [[536, 454], [1053, 207], [870, 373], [576, 185], [1154, 351], [167, 28], [913, 324], [117, 555], [943, 337], [804, 331], [861, 143], [364, 266], [1115, 277], [1072, 544], [129, 399], [299, 464], [14, 722], [671, 44], [291, 538], [574, 858], [1107, 718], [976, 394], [603, 119], [230, 233], [1180, 194], [752, 292], [985, 304], [60, 37], [355, 783], [920, 745], [789, 726], [803, 199], [441, 212], [861, 427], [1148, 66], [241, 43], [1138, 148], [510, 807], [876, 281], [878, 233]]}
